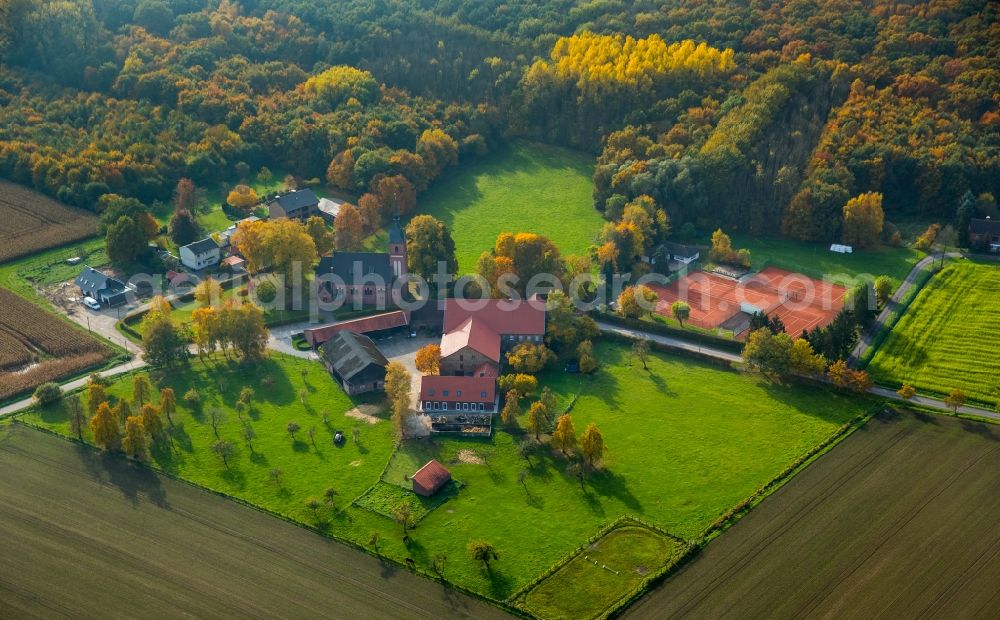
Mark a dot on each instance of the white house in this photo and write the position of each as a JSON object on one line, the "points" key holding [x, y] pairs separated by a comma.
{"points": [[200, 254]]}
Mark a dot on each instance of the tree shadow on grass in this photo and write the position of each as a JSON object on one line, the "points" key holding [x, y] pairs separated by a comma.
{"points": [[300, 446], [501, 585], [608, 484], [660, 384], [816, 401], [259, 459], [234, 477], [180, 438]]}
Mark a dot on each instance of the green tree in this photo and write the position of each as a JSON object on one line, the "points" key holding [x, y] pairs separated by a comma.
{"points": [[402, 513], [125, 241], [640, 348], [224, 450], [586, 359], [681, 311], [429, 242], [48, 393], [77, 419], [768, 352], [483, 552], [141, 390], [162, 343], [883, 289]]}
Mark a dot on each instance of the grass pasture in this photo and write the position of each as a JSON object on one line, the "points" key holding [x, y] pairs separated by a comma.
{"points": [[899, 521], [32, 221], [88, 535], [686, 441], [528, 187], [939, 343], [602, 573], [817, 261]]}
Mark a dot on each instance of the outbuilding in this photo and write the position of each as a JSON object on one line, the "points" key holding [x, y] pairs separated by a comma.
{"points": [[430, 478]]}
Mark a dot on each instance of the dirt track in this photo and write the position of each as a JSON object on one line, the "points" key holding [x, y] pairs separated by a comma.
{"points": [[88, 536], [902, 520]]}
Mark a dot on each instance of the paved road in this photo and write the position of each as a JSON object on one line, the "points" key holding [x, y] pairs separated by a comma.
{"points": [[670, 341], [732, 357], [911, 278], [72, 385]]}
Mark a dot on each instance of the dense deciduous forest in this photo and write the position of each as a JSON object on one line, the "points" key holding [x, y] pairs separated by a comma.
{"points": [[759, 116]]}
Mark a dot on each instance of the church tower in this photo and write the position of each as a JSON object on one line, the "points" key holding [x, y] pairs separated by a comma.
{"points": [[397, 249]]}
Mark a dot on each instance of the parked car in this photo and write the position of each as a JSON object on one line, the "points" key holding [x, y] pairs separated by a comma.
{"points": [[338, 438], [91, 303]]}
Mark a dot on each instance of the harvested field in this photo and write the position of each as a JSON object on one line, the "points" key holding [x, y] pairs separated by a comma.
{"points": [[801, 302], [36, 346], [33, 222], [87, 535], [901, 520]]}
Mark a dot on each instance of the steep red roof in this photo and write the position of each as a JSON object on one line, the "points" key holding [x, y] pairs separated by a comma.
{"points": [[432, 476], [504, 317], [316, 336], [475, 334], [458, 389]]}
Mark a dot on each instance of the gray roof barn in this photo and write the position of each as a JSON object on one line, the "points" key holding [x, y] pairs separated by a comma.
{"points": [[355, 360]]}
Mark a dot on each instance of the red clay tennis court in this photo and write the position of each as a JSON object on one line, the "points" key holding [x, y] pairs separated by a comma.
{"points": [[801, 302]]}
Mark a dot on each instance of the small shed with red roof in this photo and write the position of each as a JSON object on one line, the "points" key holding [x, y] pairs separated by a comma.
{"points": [[430, 478]]}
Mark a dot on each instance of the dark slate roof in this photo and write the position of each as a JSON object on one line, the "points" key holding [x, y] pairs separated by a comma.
{"points": [[349, 353], [984, 227], [679, 249], [93, 282], [396, 235], [301, 199], [205, 245], [342, 264]]}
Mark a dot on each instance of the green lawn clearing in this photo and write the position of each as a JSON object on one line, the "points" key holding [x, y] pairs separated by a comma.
{"points": [[686, 441], [602, 573], [308, 465], [527, 187], [817, 261], [938, 344]]}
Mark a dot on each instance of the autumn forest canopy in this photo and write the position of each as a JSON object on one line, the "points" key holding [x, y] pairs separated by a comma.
{"points": [[763, 117]]}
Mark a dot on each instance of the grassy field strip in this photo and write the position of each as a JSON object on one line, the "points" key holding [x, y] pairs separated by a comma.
{"points": [[528, 187], [142, 542], [943, 340], [842, 537]]}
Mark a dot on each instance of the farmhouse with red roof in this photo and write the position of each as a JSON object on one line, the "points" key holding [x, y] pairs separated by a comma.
{"points": [[478, 332], [477, 335]]}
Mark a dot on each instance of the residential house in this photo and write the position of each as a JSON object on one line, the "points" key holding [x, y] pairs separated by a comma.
{"points": [[430, 478], [301, 204], [103, 288], [984, 234], [478, 333], [354, 361], [200, 254], [365, 277]]}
